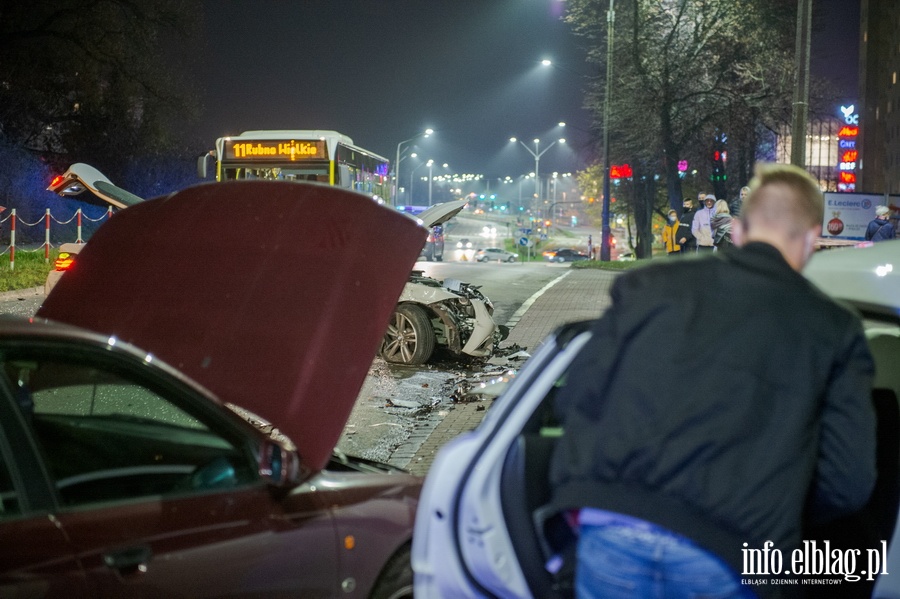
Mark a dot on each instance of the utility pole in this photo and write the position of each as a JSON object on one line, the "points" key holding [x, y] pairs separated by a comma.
{"points": [[801, 84]]}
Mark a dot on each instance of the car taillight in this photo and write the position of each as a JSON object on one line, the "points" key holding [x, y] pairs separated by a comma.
{"points": [[56, 180], [64, 262]]}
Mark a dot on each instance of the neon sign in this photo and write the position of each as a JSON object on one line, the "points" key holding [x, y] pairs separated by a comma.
{"points": [[847, 135], [280, 150], [620, 171]]}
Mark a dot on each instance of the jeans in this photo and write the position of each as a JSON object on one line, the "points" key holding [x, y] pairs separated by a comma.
{"points": [[623, 560]]}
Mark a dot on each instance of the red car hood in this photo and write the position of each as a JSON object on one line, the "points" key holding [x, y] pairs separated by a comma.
{"points": [[273, 295]]}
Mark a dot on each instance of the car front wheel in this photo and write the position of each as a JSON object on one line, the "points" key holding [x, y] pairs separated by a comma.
{"points": [[396, 581], [409, 338], [511, 259]]}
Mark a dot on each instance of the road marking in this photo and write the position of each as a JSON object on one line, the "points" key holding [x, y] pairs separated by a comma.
{"points": [[514, 319]]}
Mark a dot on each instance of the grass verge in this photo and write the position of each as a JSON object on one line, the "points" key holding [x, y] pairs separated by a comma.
{"points": [[30, 270]]}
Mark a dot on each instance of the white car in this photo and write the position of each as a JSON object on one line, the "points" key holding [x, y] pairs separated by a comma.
{"points": [[429, 313], [495, 255], [482, 528], [449, 314]]}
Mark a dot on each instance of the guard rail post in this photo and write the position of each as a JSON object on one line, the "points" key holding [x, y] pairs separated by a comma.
{"points": [[47, 237], [12, 240]]}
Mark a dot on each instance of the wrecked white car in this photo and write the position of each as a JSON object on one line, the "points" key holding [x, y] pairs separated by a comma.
{"points": [[450, 314], [447, 314]]}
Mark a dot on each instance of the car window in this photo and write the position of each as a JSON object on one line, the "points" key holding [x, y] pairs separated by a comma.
{"points": [[105, 436], [9, 498], [884, 342]]}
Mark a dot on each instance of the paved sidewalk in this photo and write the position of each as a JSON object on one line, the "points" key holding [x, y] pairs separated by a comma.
{"points": [[575, 295]]}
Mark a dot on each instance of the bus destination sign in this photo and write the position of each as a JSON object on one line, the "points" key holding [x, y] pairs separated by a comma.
{"points": [[275, 150]]}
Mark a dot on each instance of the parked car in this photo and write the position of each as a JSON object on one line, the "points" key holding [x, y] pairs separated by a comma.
{"points": [[202, 463], [498, 254], [484, 529], [430, 313], [564, 255]]}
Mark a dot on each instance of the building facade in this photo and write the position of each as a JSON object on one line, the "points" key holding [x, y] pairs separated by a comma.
{"points": [[879, 93]]}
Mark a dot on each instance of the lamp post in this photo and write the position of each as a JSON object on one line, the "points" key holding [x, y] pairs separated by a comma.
{"points": [[522, 180], [411, 173], [604, 227], [426, 133], [430, 165], [537, 153]]}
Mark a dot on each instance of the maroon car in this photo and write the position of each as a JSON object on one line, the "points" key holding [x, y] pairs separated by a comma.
{"points": [[201, 464]]}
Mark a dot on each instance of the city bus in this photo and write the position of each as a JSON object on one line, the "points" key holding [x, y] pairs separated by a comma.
{"points": [[300, 155]]}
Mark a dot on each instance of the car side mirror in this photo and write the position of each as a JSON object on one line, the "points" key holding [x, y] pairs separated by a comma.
{"points": [[279, 466], [202, 165]]}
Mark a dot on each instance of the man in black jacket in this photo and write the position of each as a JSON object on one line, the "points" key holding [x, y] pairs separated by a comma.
{"points": [[685, 236], [675, 490]]}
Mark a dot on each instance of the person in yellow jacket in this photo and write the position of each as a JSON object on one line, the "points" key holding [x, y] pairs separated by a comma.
{"points": [[668, 234]]}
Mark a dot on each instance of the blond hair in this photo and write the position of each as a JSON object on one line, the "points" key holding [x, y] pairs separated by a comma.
{"points": [[783, 196], [721, 207]]}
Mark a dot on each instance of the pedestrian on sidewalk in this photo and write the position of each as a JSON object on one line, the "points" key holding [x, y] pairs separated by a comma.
{"points": [[670, 233], [881, 228], [701, 226], [666, 484], [685, 235], [721, 226]]}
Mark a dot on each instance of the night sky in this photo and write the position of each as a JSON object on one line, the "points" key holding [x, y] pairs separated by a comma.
{"points": [[380, 71]]}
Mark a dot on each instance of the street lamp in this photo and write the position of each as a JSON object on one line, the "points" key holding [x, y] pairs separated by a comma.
{"points": [[430, 165], [537, 153], [411, 173], [426, 133]]}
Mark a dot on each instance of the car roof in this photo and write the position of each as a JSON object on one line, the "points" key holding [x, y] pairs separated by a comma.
{"points": [[867, 275], [281, 314], [440, 213]]}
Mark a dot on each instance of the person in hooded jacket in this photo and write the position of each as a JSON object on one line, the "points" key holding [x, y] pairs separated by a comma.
{"points": [[701, 226]]}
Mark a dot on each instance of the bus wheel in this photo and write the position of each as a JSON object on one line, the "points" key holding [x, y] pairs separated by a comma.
{"points": [[409, 338]]}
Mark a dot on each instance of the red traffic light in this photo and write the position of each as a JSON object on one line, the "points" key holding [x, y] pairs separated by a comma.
{"points": [[620, 171]]}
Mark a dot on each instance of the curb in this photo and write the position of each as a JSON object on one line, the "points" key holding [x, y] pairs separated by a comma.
{"points": [[21, 293]]}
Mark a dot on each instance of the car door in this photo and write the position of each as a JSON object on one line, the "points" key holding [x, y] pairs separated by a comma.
{"points": [[157, 490], [36, 559]]}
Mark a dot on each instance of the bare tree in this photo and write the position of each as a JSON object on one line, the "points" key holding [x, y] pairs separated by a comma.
{"points": [[89, 78], [686, 72]]}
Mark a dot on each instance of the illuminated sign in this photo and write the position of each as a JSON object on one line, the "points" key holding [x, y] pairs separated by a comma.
{"points": [[847, 144], [620, 171], [275, 150]]}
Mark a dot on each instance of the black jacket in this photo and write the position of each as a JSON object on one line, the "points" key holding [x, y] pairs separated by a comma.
{"points": [[684, 230], [773, 420]]}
